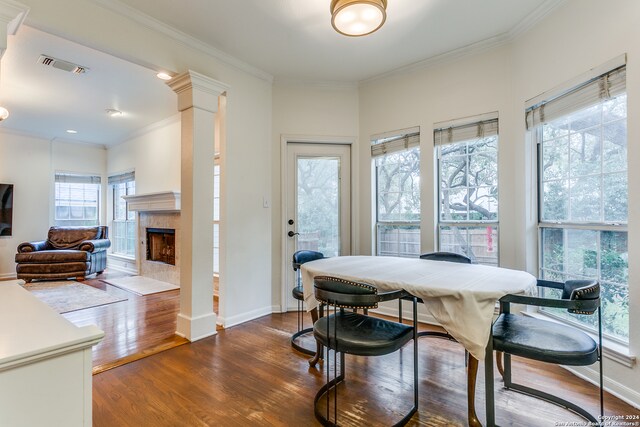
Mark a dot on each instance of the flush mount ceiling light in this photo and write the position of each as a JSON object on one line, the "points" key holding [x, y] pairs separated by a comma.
{"points": [[72, 131], [358, 17], [4, 113], [113, 112]]}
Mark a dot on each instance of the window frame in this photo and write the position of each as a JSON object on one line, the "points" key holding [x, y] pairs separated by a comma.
{"points": [[127, 221], [440, 223], [598, 227], [84, 179], [394, 138]]}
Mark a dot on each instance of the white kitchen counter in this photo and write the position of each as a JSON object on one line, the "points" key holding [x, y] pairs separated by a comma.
{"points": [[45, 363]]}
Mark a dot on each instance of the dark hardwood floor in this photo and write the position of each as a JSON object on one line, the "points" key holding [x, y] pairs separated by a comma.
{"points": [[250, 375], [131, 327]]}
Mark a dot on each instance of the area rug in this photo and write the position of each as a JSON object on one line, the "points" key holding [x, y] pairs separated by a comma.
{"points": [[65, 295], [141, 285]]}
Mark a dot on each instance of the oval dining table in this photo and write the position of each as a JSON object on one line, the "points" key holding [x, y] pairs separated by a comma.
{"points": [[461, 297]]}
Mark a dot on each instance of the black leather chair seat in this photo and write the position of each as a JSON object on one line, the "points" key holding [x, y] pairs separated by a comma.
{"points": [[543, 340], [363, 335], [298, 293]]}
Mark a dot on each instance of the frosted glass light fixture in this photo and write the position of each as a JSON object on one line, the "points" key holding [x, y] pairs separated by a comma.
{"points": [[358, 17]]}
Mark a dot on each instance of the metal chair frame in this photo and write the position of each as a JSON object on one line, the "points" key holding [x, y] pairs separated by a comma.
{"points": [[589, 305], [301, 330], [339, 301]]}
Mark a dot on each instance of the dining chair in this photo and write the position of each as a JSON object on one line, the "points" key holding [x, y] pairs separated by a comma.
{"points": [[348, 332], [299, 258], [546, 341]]}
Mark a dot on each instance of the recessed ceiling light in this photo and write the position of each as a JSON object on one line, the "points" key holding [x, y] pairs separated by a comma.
{"points": [[164, 76], [113, 112], [4, 113], [71, 131]]}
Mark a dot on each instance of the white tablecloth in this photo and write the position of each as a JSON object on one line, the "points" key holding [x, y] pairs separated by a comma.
{"points": [[461, 297]]}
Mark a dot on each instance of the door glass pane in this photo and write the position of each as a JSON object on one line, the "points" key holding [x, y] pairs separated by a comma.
{"points": [[318, 204]]}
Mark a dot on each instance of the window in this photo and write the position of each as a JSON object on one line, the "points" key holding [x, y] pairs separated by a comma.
{"points": [[582, 194], [468, 190], [397, 198], [123, 224], [77, 199]]}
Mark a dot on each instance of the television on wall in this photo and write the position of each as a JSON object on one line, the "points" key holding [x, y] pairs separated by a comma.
{"points": [[6, 209]]}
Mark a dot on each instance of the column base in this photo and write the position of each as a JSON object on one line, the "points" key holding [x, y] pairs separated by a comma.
{"points": [[196, 328]]}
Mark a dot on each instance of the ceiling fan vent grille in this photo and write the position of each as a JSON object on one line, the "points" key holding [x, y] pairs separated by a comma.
{"points": [[67, 66]]}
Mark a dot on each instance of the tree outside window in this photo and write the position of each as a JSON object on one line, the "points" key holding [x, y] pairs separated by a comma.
{"points": [[583, 206]]}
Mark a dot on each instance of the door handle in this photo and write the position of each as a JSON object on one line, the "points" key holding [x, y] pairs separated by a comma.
{"points": [[291, 234]]}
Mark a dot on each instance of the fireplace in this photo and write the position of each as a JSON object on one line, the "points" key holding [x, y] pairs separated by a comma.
{"points": [[161, 245]]}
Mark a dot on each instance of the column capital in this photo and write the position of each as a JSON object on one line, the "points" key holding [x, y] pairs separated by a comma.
{"points": [[12, 14], [197, 90]]}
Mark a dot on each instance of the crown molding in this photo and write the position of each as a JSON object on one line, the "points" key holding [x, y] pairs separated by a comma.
{"points": [[505, 38], [149, 22], [13, 13], [319, 84], [174, 118], [534, 18], [48, 139], [452, 55]]}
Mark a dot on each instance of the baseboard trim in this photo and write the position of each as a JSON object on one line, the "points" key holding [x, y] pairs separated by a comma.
{"points": [[620, 391], [250, 315], [196, 328], [8, 276]]}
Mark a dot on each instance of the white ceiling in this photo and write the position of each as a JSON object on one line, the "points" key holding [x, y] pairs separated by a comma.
{"points": [[291, 40], [45, 101]]}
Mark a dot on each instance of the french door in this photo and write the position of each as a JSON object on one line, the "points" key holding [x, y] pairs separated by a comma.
{"points": [[318, 203]]}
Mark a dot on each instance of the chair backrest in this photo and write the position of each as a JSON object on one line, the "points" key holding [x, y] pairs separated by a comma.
{"points": [[585, 291], [345, 293], [446, 256], [72, 237], [300, 257]]}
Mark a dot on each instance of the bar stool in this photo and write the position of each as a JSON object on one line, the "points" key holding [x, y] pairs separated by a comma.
{"points": [[299, 258]]}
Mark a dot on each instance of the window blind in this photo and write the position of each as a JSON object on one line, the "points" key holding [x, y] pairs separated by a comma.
{"points": [[465, 132], [393, 144], [69, 178], [606, 86], [121, 178]]}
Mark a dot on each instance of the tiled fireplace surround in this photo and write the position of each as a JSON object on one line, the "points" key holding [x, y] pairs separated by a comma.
{"points": [[157, 210]]}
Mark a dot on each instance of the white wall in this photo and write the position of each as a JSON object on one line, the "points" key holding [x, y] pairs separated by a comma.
{"points": [[29, 163], [469, 86], [312, 111], [575, 38], [246, 160], [154, 154], [25, 162]]}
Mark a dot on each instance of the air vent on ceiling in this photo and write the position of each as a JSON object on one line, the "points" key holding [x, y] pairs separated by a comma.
{"points": [[67, 66]]}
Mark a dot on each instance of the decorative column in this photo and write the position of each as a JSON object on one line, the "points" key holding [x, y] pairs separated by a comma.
{"points": [[197, 103], [12, 15]]}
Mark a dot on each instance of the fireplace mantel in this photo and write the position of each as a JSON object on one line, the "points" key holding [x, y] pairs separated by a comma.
{"points": [[166, 201]]}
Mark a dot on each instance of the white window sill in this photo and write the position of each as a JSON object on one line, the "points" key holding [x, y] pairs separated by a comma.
{"points": [[121, 257], [610, 349]]}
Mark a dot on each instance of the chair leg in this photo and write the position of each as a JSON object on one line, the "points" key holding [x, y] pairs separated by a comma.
{"points": [[489, 385]]}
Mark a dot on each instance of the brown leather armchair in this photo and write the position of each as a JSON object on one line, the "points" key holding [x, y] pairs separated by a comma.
{"points": [[67, 252]]}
